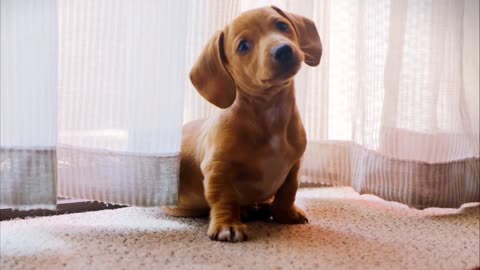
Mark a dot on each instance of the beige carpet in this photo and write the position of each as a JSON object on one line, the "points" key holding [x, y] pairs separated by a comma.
{"points": [[346, 231]]}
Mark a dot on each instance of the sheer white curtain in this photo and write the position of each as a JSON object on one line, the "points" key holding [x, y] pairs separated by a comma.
{"points": [[393, 108], [403, 120], [92, 97], [28, 108], [92, 100]]}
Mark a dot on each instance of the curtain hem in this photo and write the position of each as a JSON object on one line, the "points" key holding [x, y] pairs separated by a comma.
{"points": [[417, 184], [28, 178], [27, 207], [118, 178]]}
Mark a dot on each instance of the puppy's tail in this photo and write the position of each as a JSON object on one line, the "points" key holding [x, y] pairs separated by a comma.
{"points": [[186, 212]]}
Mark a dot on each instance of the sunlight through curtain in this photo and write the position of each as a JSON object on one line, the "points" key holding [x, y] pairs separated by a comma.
{"points": [[93, 94]]}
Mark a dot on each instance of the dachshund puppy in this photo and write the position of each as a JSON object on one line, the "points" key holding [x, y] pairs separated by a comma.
{"points": [[250, 152]]}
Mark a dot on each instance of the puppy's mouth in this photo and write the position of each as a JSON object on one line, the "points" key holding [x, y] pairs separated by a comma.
{"points": [[283, 71], [287, 70]]}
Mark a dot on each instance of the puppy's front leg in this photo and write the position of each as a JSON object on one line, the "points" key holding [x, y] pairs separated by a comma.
{"points": [[283, 207], [225, 224]]}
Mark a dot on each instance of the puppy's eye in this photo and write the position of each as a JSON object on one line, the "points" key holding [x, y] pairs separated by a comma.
{"points": [[244, 46], [282, 26]]}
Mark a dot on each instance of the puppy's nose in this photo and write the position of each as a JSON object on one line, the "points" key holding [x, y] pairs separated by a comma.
{"points": [[282, 53]]}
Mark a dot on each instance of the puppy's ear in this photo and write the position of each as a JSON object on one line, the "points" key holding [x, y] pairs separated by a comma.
{"points": [[307, 34], [210, 77]]}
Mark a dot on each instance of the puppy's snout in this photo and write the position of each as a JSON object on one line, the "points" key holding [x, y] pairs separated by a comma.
{"points": [[283, 53]]}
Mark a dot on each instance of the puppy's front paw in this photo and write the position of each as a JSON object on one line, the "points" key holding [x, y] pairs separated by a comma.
{"points": [[293, 215], [227, 232]]}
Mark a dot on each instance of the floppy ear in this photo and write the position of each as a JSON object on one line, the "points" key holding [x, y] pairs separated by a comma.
{"points": [[210, 77], [307, 34]]}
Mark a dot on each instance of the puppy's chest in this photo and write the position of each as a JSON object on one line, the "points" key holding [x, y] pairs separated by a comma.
{"points": [[271, 151], [276, 164], [272, 163]]}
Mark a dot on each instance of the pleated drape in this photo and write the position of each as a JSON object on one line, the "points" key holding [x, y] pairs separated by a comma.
{"points": [[122, 70], [92, 101], [28, 108]]}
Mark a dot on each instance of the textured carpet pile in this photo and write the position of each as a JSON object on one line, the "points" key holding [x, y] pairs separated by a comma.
{"points": [[346, 231]]}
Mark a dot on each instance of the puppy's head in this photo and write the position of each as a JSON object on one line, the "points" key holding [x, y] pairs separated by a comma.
{"points": [[261, 49]]}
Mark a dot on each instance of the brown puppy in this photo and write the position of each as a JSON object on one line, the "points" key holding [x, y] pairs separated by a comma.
{"points": [[251, 151]]}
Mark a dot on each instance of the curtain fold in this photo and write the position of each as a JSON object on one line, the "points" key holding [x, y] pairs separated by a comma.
{"points": [[106, 124], [120, 100], [403, 128], [28, 108]]}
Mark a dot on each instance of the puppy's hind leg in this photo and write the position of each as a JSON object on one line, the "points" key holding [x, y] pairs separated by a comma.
{"points": [[284, 209], [256, 212]]}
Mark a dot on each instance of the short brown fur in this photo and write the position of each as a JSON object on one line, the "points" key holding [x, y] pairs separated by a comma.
{"points": [[250, 152]]}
